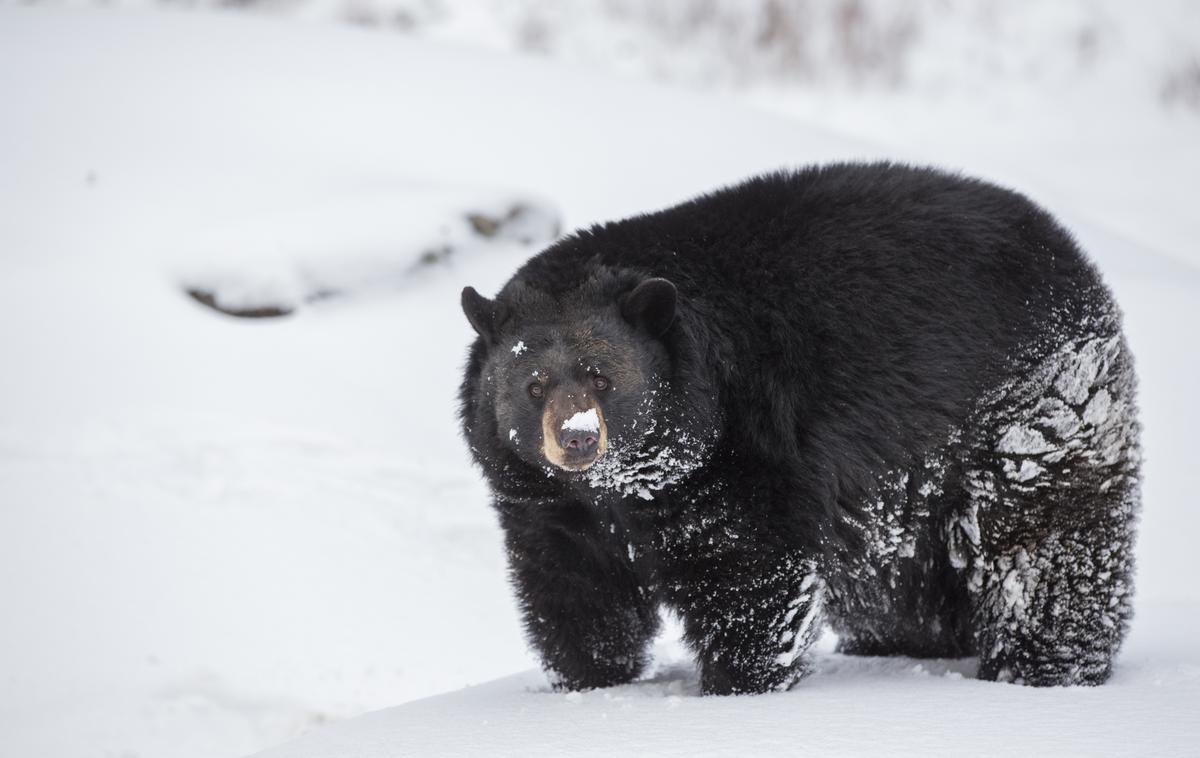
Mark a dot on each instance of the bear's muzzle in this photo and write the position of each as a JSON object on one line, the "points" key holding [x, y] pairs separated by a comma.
{"points": [[574, 434]]}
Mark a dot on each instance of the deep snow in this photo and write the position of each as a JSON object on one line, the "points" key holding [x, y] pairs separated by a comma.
{"points": [[218, 533], [848, 707]]}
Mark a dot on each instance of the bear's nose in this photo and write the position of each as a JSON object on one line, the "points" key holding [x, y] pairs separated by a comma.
{"points": [[578, 442]]}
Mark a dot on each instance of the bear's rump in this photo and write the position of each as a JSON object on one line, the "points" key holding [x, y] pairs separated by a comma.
{"points": [[1049, 458]]}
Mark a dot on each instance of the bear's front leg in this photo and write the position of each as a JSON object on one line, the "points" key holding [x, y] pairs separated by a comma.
{"points": [[587, 612], [750, 613]]}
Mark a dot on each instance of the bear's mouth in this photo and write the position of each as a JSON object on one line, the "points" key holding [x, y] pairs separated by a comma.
{"points": [[578, 462]]}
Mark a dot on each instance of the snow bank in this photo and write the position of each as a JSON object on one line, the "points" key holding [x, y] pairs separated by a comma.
{"points": [[848, 707]]}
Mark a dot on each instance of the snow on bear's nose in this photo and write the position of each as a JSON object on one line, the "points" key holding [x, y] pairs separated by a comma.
{"points": [[580, 433], [573, 429]]}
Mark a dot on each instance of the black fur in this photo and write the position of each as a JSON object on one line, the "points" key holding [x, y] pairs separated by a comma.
{"points": [[886, 398]]}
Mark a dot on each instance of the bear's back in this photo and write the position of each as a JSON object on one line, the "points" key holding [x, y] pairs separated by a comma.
{"points": [[864, 295]]}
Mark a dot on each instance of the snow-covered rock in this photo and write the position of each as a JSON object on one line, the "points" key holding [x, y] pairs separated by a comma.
{"points": [[350, 246]]}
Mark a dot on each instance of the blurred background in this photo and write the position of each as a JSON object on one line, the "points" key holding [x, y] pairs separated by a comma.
{"points": [[234, 505]]}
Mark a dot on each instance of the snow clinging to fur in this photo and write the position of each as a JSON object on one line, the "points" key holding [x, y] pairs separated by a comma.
{"points": [[584, 421]]}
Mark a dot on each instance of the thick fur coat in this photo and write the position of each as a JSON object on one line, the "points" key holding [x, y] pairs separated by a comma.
{"points": [[885, 398]]}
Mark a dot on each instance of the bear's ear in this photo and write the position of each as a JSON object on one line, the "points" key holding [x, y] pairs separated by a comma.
{"points": [[651, 306], [485, 315]]}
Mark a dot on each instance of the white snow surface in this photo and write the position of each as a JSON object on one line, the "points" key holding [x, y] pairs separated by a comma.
{"points": [[219, 534], [847, 707]]}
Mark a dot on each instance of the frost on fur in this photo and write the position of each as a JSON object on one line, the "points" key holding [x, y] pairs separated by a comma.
{"points": [[1052, 592]]}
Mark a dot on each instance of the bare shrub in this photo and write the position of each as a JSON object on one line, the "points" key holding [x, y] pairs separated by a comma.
{"points": [[1182, 85]]}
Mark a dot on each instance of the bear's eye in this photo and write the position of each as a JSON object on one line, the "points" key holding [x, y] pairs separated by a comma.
{"points": [[600, 382], [535, 390]]}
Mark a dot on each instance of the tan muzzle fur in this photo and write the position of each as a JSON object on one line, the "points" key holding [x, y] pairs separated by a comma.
{"points": [[560, 406]]}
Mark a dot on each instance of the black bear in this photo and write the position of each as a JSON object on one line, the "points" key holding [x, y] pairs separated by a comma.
{"points": [[886, 398]]}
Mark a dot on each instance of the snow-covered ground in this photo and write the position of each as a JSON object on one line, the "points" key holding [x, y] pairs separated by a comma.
{"points": [[850, 707], [218, 533]]}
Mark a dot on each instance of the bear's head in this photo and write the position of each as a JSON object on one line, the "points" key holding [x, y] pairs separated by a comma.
{"points": [[578, 383]]}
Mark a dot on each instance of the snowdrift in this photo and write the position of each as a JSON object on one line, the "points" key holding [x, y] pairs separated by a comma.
{"points": [[848, 707]]}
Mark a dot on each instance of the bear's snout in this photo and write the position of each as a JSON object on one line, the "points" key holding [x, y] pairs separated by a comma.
{"points": [[573, 430], [579, 443]]}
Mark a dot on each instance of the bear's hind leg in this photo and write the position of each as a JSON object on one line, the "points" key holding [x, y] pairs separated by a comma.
{"points": [[1045, 539], [1055, 613], [1050, 524]]}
